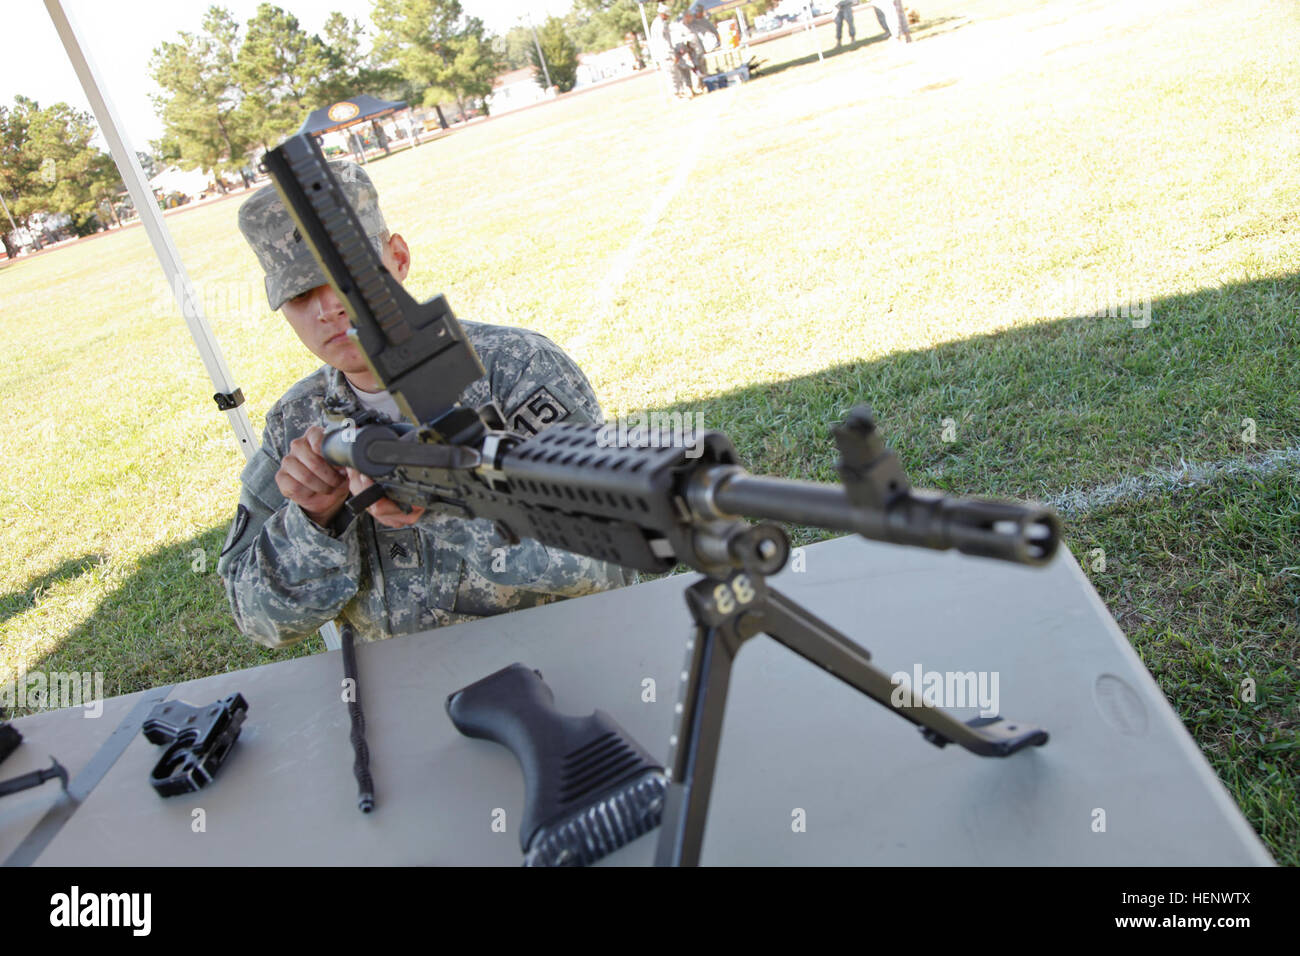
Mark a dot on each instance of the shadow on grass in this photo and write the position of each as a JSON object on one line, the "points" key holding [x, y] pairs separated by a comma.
{"points": [[769, 68], [167, 623], [1058, 404], [25, 598]]}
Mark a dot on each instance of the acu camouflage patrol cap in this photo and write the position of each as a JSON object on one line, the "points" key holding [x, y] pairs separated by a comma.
{"points": [[286, 259]]}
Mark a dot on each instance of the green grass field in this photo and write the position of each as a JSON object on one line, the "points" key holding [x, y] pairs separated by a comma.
{"points": [[909, 227]]}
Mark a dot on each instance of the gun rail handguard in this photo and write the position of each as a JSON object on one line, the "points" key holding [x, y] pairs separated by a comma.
{"points": [[640, 506]]}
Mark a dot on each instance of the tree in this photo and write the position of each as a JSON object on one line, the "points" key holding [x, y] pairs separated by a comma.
{"points": [[17, 165], [50, 165], [561, 56], [203, 105], [602, 24], [474, 65], [416, 36], [148, 164], [352, 71], [166, 151], [515, 47], [223, 95], [280, 69], [436, 48]]}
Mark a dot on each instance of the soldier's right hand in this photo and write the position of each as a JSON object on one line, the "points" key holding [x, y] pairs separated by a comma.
{"points": [[310, 481]]}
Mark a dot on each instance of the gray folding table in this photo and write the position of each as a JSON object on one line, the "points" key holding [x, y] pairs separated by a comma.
{"points": [[809, 771]]}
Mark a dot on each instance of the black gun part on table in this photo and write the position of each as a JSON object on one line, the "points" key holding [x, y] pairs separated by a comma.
{"points": [[648, 508], [10, 738], [197, 741], [590, 788]]}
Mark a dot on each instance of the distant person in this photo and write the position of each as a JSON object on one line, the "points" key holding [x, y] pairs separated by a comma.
{"points": [[893, 19], [664, 43], [700, 27], [843, 15], [692, 46], [688, 50]]}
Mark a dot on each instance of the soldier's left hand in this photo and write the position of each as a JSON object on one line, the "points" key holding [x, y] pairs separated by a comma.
{"points": [[385, 511]]}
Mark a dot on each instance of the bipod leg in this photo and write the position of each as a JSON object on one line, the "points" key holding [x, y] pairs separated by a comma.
{"points": [[722, 610], [813, 639], [726, 614]]}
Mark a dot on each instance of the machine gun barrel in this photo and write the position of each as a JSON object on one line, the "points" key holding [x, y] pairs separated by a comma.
{"points": [[1007, 530]]}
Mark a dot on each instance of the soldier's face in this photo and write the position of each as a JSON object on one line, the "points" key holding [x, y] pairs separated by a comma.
{"points": [[321, 322]]}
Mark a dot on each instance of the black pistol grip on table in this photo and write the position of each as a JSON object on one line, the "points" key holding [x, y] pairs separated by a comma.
{"points": [[570, 764], [197, 740]]}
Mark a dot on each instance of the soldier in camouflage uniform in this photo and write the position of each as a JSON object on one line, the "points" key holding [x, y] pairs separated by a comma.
{"points": [[668, 47], [291, 560], [700, 26]]}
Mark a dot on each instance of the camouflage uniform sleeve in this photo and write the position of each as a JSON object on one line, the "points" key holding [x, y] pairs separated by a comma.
{"points": [[284, 576], [547, 388]]}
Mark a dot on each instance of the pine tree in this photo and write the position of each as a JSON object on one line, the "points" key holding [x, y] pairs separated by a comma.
{"points": [[561, 56], [202, 105], [280, 67], [353, 70], [475, 64], [514, 47], [436, 48], [602, 24], [17, 165], [51, 167]]}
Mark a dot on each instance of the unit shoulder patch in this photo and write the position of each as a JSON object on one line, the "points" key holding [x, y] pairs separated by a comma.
{"points": [[537, 411]]}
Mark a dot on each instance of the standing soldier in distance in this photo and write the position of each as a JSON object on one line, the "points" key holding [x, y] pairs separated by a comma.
{"points": [[663, 47], [843, 15]]}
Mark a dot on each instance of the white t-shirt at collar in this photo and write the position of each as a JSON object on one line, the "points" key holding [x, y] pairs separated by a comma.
{"points": [[382, 402]]}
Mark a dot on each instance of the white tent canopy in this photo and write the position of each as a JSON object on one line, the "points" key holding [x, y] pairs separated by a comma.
{"points": [[173, 179]]}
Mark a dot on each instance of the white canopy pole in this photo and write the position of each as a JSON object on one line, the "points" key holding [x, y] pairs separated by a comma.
{"points": [[133, 176], [811, 27], [540, 55], [177, 278], [645, 24]]}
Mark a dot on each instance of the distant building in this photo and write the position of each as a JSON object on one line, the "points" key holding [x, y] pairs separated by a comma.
{"points": [[594, 67], [193, 183], [515, 90]]}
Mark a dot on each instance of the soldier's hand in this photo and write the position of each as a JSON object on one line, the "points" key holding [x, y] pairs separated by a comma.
{"points": [[385, 511], [310, 481]]}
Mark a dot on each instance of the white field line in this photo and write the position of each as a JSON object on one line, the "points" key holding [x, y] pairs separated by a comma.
{"points": [[704, 130], [1079, 501]]}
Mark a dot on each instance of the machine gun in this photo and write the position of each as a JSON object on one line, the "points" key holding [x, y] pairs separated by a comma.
{"points": [[648, 508]]}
